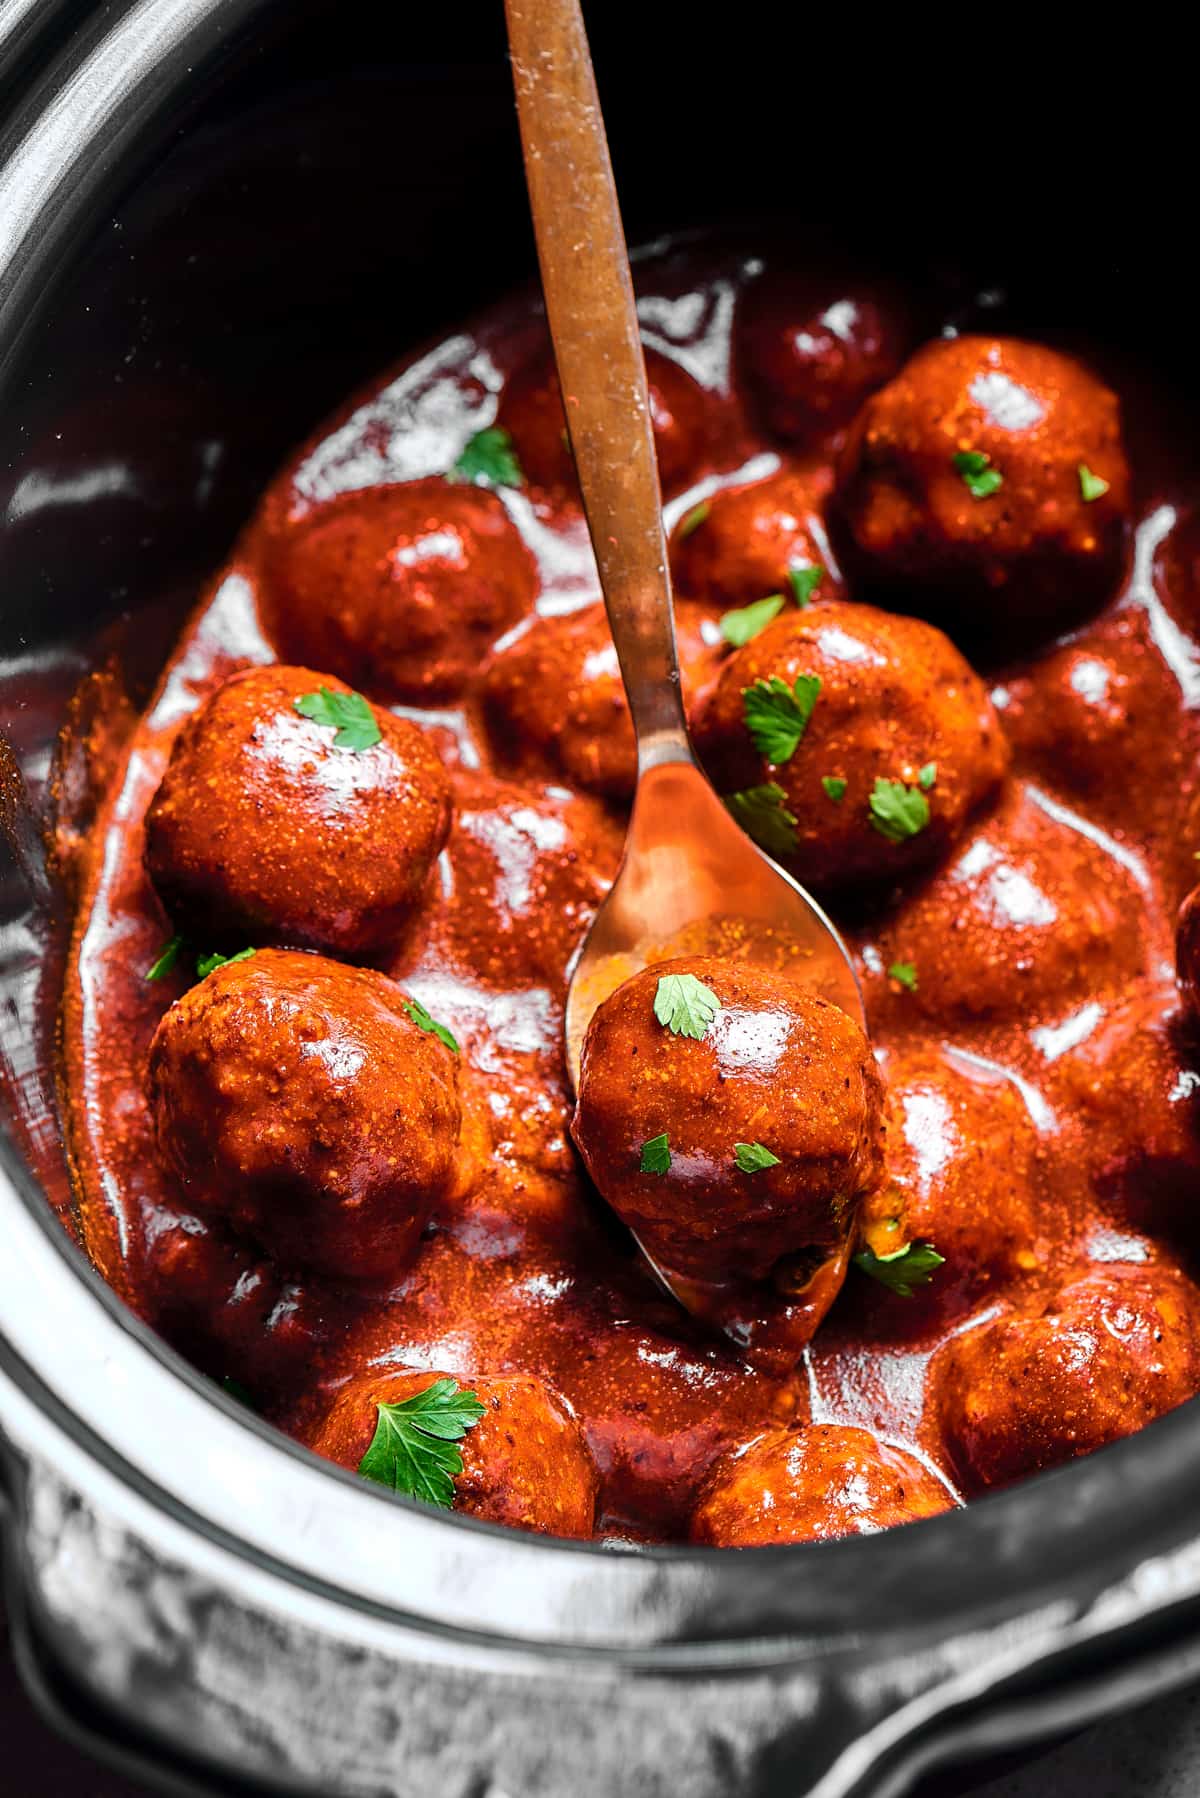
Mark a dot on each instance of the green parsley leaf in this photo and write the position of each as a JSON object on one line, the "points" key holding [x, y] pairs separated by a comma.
{"points": [[349, 714], [691, 521], [489, 460], [1092, 486], [805, 578], [835, 787], [912, 1265], [423, 1021], [905, 972], [926, 776], [740, 627], [898, 811], [207, 964], [168, 955], [777, 715], [684, 1005], [752, 1158], [978, 477], [413, 1449], [763, 815], [656, 1155]]}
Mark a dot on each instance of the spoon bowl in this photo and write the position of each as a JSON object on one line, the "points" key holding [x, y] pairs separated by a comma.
{"points": [[692, 883]]}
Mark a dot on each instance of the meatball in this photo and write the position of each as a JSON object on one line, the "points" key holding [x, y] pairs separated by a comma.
{"points": [[735, 1144], [1030, 914], [964, 1158], [878, 767], [298, 1099], [1187, 952], [263, 827], [811, 1484], [401, 590], [531, 411], [810, 352], [528, 867], [555, 695], [749, 541], [988, 471], [525, 1463], [1098, 1360]]}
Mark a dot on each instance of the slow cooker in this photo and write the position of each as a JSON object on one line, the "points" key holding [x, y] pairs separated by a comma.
{"points": [[215, 217]]}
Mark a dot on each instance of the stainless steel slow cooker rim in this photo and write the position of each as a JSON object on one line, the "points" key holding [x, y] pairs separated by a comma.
{"points": [[625, 1603]]}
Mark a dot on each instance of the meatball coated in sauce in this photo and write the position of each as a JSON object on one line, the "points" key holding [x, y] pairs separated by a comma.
{"points": [[261, 827], [964, 1158], [526, 1463], [297, 1099], [776, 1067], [401, 590], [810, 351], [1098, 1360], [554, 696], [1029, 915], [744, 542], [1045, 543], [813, 1484], [531, 411], [897, 703]]}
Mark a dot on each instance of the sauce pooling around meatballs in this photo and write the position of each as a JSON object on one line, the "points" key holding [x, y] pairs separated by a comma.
{"points": [[312, 1029]]}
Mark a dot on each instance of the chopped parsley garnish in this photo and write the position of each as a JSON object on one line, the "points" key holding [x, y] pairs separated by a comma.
{"points": [[805, 578], [905, 974], [835, 787], [764, 816], [235, 1390], [752, 1158], [489, 460], [413, 1450], [898, 811], [168, 955], [979, 477], [1092, 486], [691, 521], [207, 964], [423, 1021], [777, 715], [926, 776], [912, 1265], [742, 626], [656, 1155], [348, 714], [684, 1005]]}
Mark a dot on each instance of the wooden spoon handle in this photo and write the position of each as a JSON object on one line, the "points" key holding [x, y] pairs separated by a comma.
{"points": [[593, 322]]}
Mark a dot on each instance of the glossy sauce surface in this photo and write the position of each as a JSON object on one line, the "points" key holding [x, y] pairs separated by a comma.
{"points": [[1042, 1078]]}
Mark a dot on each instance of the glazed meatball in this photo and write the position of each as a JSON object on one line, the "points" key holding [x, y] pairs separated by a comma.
{"points": [[528, 867], [810, 352], [263, 827], [525, 1463], [811, 1484], [1029, 915], [745, 542], [771, 1118], [987, 480], [531, 411], [899, 745], [1097, 1361], [401, 590], [964, 1158], [555, 695], [298, 1099]]}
